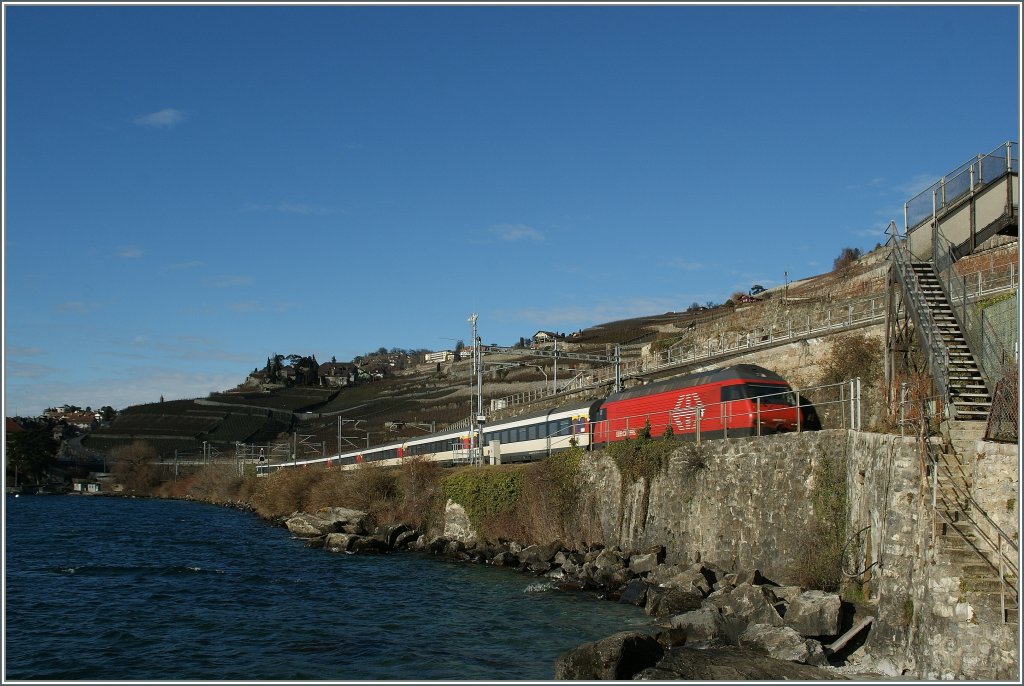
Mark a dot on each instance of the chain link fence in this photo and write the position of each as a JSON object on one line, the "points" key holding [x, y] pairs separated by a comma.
{"points": [[1004, 419]]}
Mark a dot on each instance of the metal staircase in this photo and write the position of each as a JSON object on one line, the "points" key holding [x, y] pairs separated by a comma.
{"points": [[929, 301], [982, 554], [966, 389]]}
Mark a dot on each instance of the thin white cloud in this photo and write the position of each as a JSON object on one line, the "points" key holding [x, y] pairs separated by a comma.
{"points": [[133, 386], [193, 264], [516, 232], [163, 119], [683, 264], [296, 208], [129, 252], [22, 351], [229, 281], [76, 307], [181, 347], [877, 182], [913, 186], [28, 370], [573, 317]]}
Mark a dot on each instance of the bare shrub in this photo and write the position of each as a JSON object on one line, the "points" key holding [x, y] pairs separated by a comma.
{"points": [[846, 258], [371, 488], [283, 492], [857, 355], [506, 526], [548, 509], [216, 483], [418, 483], [135, 468]]}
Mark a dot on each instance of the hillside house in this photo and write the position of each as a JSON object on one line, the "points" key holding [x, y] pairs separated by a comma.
{"points": [[542, 338], [336, 374], [82, 420], [439, 356]]}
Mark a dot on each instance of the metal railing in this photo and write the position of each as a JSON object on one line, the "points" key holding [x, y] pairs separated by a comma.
{"points": [[994, 546], [960, 182], [982, 340], [834, 318], [843, 397], [920, 313]]}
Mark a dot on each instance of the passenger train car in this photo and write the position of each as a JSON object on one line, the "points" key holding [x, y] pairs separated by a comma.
{"points": [[741, 400]]}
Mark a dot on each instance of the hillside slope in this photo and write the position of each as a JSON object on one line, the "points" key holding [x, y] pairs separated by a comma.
{"points": [[416, 400]]}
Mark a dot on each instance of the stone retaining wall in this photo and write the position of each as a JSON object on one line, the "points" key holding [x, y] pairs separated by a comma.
{"points": [[747, 504]]}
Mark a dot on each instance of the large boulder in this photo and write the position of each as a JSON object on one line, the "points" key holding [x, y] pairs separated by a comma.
{"points": [[390, 533], [664, 572], [339, 543], [662, 602], [305, 525], [345, 519], [635, 593], [814, 613], [569, 561], [435, 545], [707, 627], [729, 665], [696, 579], [615, 658], [753, 604], [406, 538], [369, 544], [643, 564], [327, 520], [783, 643], [505, 559], [786, 594], [539, 555], [456, 523]]}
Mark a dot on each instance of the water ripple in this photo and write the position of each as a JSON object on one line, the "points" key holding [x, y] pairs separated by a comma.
{"points": [[157, 590]]}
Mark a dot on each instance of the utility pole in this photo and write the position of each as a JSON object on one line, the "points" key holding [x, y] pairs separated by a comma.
{"points": [[554, 385], [479, 371]]}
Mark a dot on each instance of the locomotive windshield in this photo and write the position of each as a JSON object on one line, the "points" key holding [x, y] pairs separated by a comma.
{"points": [[771, 394]]}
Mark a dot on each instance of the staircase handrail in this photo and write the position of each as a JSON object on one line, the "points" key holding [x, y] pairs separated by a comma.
{"points": [[957, 183], [967, 506], [981, 339], [924, 323]]}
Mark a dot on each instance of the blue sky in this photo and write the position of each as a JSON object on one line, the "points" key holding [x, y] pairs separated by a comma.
{"points": [[190, 189]]}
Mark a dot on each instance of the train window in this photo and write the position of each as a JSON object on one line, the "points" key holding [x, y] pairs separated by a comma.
{"points": [[732, 393], [522, 433], [771, 394], [531, 432]]}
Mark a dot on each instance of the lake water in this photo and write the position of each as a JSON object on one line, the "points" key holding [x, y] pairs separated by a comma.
{"points": [[123, 589]]}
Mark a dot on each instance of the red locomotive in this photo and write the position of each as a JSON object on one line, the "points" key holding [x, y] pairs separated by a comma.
{"points": [[741, 400]]}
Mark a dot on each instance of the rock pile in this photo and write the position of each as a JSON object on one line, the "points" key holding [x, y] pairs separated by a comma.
{"points": [[700, 606]]}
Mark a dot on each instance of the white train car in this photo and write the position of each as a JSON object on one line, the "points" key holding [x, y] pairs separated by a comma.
{"points": [[540, 434], [519, 439]]}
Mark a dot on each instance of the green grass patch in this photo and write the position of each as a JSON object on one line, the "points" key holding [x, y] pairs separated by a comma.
{"points": [[484, 491]]}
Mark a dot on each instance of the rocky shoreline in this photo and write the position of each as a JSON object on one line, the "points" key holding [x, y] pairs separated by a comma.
{"points": [[707, 623]]}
